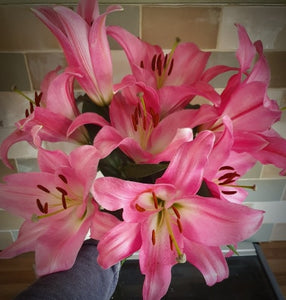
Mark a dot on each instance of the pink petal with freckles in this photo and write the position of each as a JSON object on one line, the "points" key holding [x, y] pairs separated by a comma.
{"points": [[119, 243], [209, 260], [19, 192]]}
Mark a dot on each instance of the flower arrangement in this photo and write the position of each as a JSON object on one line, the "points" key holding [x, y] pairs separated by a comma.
{"points": [[156, 150]]}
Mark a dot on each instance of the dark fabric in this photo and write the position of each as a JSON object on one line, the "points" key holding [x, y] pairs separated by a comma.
{"points": [[85, 280]]}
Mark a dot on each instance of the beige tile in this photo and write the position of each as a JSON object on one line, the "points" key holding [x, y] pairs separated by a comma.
{"points": [[18, 150], [162, 25], [20, 29], [13, 72], [9, 221], [5, 240], [13, 107], [270, 171], [5, 170], [121, 66], [265, 23], [279, 232], [42, 63], [277, 63], [129, 19]]}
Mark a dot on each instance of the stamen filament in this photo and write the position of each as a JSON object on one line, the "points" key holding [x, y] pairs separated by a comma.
{"points": [[155, 200], [172, 237]]}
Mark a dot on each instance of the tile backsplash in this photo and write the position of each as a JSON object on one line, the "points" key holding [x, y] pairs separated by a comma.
{"points": [[28, 51]]}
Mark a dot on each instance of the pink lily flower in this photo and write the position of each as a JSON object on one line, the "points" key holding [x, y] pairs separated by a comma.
{"points": [[83, 39], [138, 129], [176, 75], [57, 207], [246, 103], [168, 223], [225, 167], [50, 118]]}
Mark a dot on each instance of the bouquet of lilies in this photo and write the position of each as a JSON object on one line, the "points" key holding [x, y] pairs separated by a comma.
{"points": [[156, 150]]}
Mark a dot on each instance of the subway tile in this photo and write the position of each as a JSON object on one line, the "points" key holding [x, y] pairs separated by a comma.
{"points": [[275, 211], [21, 30], [279, 232], [222, 58], [4, 171], [42, 63], [254, 172], [13, 107], [266, 189], [161, 25], [270, 171], [265, 23], [27, 165], [13, 72], [121, 66], [5, 239], [277, 63], [18, 150], [128, 19], [275, 59], [263, 234], [9, 221]]}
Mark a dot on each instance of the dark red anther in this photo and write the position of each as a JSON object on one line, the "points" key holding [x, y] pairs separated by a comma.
{"points": [[63, 178], [226, 168], [176, 212], [44, 189], [153, 237], [171, 243], [159, 64], [42, 209], [180, 225], [139, 110], [229, 176], [134, 122], [136, 115], [155, 200], [155, 117], [38, 98], [165, 61], [142, 64], [64, 203], [31, 107], [139, 208], [61, 190], [229, 192], [171, 67], [46, 208], [153, 63], [26, 113]]}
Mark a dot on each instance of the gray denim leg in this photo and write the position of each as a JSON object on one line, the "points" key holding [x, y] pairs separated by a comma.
{"points": [[86, 280]]}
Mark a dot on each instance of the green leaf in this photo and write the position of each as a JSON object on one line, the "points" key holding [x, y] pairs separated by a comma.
{"points": [[143, 170]]}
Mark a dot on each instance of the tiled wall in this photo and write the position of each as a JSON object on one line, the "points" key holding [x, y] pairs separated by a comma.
{"points": [[28, 50]]}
